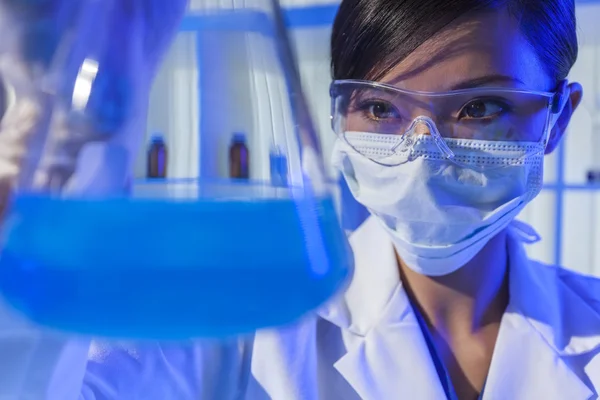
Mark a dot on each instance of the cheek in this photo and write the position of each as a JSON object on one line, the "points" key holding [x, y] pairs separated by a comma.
{"points": [[354, 122]]}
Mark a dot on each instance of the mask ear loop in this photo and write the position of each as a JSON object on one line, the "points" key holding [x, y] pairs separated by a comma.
{"points": [[559, 101]]}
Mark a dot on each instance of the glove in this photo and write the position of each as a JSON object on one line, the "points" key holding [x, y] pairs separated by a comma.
{"points": [[76, 76]]}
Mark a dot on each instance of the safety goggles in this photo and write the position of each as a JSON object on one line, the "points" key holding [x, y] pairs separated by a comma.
{"points": [[398, 120]]}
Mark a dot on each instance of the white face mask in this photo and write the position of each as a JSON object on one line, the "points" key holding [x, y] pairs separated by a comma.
{"points": [[439, 214]]}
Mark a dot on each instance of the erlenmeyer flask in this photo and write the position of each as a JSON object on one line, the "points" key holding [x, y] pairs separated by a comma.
{"points": [[89, 248]]}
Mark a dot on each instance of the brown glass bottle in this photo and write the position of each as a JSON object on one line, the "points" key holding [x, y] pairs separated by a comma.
{"points": [[157, 158], [239, 157]]}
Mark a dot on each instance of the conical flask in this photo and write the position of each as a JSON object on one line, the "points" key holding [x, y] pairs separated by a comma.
{"points": [[91, 246]]}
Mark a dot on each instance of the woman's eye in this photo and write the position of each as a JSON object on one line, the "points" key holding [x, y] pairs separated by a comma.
{"points": [[480, 109], [381, 110]]}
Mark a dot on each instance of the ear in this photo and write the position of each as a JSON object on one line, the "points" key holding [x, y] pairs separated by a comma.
{"points": [[575, 93]]}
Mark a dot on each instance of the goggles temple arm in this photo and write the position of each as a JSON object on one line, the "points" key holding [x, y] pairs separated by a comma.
{"points": [[557, 101]]}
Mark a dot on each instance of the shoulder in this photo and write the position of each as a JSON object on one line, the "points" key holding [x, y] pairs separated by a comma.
{"points": [[585, 287]]}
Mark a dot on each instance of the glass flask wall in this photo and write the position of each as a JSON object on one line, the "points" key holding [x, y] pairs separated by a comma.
{"points": [[238, 232]]}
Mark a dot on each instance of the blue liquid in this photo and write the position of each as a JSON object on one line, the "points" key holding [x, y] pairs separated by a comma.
{"points": [[152, 269]]}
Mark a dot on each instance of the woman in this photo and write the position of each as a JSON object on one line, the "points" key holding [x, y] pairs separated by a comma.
{"points": [[444, 109]]}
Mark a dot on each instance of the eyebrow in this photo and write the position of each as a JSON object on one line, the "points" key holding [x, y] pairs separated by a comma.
{"points": [[487, 80]]}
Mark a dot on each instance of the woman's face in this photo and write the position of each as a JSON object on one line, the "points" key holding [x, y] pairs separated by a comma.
{"points": [[487, 49]]}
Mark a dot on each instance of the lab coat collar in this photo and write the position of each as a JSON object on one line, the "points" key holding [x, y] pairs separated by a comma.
{"points": [[538, 334], [554, 309], [388, 354]]}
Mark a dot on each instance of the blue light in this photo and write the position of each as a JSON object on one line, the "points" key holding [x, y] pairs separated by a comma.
{"points": [[255, 21]]}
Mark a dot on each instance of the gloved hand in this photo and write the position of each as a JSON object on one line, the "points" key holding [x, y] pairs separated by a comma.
{"points": [[76, 78]]}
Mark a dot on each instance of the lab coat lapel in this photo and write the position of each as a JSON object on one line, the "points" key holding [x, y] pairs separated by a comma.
{"points": [[386, 351], [524, 366], [529, 360], [392, 358]]}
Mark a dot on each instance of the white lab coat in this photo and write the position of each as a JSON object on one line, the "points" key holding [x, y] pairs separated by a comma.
{"points": [[366, 344]]}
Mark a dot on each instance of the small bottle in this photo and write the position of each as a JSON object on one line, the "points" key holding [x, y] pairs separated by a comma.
{"points": [[278, 166], [157, 157], [239, 157]]}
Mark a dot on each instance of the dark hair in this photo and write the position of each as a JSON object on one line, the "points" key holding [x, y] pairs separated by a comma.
{"points": [[371, 36]]}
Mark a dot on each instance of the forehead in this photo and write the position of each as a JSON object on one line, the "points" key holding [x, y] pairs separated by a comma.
{"points": [[482, 45]]}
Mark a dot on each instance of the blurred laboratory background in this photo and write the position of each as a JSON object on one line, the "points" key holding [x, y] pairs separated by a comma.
{"points": [[566, 214]]}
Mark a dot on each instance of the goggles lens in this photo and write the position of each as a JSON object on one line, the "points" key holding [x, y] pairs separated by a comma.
{"points": [[492, 114]]}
